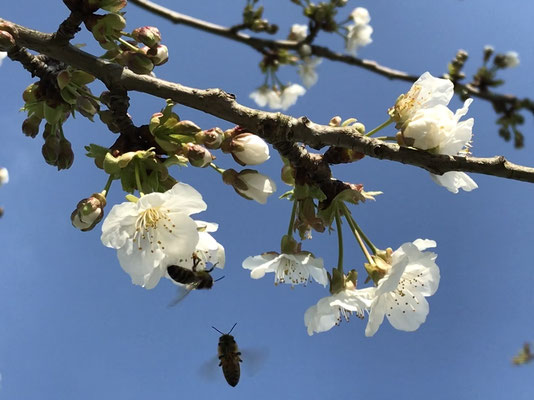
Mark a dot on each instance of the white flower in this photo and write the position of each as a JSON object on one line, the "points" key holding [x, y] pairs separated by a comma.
{"points": [[360, 16], [156, 227], [329, 310], [4, 176], [307, 70], [454, 180], [298, 32], [293, 269], [426, 92], [207, 251], [251, 149], [290, 94], [511, 59], [400, 294], [3, 55], [265, 95], [427, 123], [439, 129], [277, 99], [358, 36]]}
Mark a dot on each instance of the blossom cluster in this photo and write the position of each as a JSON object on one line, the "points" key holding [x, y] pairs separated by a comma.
{"points": [[156, 231], [410, 275], [425, 122]]}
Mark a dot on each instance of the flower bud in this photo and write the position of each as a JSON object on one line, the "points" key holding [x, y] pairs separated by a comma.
{"points": [[211, 138], [32, 93], [50, 149], [488, 52], [247, 149], [508, 60], [288, 175], [138, 63], [148, 35], [298, 32], [88, 212], [159, 55], [112, 5], [65, 156], [30, 126], [198, 155], [250, 184], [335, 121]]}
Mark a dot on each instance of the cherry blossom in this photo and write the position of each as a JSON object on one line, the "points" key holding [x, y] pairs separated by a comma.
{"points": [[400, 294], [329, 310], [292, 269], [156, 227]]}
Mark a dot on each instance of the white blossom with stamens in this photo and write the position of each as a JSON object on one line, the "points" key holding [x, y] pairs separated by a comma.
{"points": [[511, 59], [156, 227], [293, 269], [277, 99], [400, 294], [329, 311]]}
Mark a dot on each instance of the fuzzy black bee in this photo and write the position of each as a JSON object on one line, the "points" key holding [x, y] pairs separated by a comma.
{"points": [[193, 278], [229, 357]]}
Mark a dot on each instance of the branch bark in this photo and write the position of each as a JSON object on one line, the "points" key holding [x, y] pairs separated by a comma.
{"points": [[273, 127]]}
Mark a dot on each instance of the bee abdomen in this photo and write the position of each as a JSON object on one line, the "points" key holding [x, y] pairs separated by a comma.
{"points": [[231, 371]]}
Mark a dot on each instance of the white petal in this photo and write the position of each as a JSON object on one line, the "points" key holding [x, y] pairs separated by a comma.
{"points": [[321, 317], [184, 198], [119, 225], [376, 316], [454, 180], [408, 312], [391, 280]]}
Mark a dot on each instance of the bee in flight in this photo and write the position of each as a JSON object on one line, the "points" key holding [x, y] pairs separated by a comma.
{"points": [[192, 278], [229, 357]]}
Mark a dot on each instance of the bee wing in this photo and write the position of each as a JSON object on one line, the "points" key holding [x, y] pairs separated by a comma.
{"points": [[253, 359], [208, 370], [182, 292]]}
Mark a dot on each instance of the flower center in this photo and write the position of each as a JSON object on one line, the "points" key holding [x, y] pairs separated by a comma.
{"points": [[148, 226], [291, 271]]}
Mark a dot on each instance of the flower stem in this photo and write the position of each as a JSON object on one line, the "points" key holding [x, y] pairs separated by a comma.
{"points": [[292, 219], [357, 233], [339, 242], [130, 46], [216, 168], [393, 138], [379, 127], [374, 249], [138, 180], [108, 185]]}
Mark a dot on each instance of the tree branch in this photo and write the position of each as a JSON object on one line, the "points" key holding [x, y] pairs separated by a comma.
{"points": [[261, 44], [273, 127]]}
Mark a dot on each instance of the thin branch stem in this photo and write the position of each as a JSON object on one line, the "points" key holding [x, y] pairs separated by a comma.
{"points": [[339, 242]]}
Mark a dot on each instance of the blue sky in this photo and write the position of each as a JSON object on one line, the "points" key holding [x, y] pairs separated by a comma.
{"points": [[73, 326]]}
